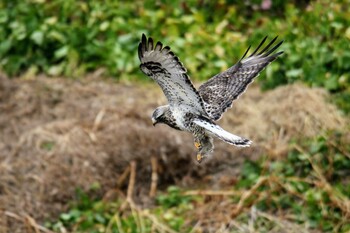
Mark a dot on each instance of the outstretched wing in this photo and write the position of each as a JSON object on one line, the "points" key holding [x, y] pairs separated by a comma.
{"points": [[164, 67], [220, 91]]}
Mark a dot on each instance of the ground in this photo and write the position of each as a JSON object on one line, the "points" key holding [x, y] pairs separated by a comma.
{"points": [[58, 135]]}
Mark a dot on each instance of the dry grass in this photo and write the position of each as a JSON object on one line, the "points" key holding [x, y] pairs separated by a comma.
{"points": [[58, 134]]}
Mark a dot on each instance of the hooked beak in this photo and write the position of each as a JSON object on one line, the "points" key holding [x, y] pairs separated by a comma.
{"points": [[154, 122]]}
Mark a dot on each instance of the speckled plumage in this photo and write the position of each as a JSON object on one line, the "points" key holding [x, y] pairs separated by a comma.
{"points": [[195, 111]]}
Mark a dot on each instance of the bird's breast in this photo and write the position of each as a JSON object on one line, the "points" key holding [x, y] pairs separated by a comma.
{"points": [[180, 119]]}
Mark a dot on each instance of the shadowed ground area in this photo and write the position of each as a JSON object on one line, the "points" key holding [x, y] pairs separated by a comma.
{"points": [[58, 135]]}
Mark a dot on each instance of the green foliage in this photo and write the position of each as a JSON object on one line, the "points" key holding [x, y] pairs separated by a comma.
{"points": [[65, 37], [250, 173], [317, 46], [172, 198], [92, 215], [172, 207], [310, 185], [71, 38], [95, 216]]}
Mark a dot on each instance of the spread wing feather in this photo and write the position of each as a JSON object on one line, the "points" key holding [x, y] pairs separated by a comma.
{"points": [[161, 64], [220, 91]]}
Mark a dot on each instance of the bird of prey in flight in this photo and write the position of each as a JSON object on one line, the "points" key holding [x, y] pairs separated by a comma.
{"points": [[197, 110]]}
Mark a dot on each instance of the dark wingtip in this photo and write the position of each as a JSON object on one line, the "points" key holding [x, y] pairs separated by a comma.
{"points": [[140, 51], [143, 38], [142, 46], [279, 53], [144, 43], [273, 48], [159, 46], [268, 46], [150, 44], [259, 46], [245, 53]]}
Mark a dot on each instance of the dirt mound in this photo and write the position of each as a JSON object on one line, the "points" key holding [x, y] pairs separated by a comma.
{"points": [[58, 135]]}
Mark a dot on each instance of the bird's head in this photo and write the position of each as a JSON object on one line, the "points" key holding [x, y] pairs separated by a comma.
{"points": [[158, 115]]}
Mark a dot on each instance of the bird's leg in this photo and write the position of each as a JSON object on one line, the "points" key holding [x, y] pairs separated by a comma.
{"points": [[197, 143], [205, 146], [199, 157]]}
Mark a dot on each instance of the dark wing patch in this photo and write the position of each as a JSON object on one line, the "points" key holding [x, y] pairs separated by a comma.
{"points": [[164, 67], [220, 91]]}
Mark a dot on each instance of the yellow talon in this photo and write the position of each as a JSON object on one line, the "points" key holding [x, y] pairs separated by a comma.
{"points": [[199, 158], [197, 145]]}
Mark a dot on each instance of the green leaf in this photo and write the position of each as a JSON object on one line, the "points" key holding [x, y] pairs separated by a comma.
{"points": [[4, 16], [294, 73], [37, 37], [62, 52], [56, 70], [332, 83], [5, 46]]}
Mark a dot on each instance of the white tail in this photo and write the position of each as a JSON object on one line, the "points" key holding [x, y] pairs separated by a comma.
{"points": [[222, 134]]}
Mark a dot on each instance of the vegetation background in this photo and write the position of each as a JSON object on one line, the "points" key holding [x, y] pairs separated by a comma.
{"points": [[74, 38]]}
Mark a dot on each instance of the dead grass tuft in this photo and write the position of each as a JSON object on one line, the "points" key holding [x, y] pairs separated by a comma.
{"points": [[275, 117]]}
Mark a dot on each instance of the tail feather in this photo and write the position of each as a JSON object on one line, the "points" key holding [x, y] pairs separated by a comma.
{"points": [[222, 134]]}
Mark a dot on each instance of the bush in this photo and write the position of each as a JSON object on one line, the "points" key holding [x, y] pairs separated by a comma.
{"points": [[70, 38]]}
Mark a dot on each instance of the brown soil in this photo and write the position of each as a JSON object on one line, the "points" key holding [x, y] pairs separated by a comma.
{"points": [[57, 135]]}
